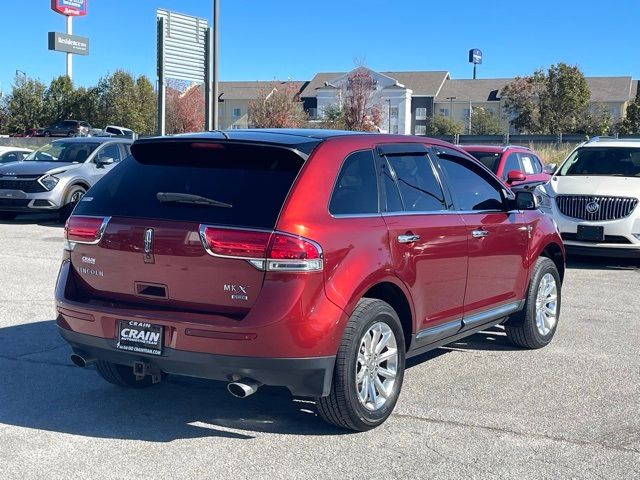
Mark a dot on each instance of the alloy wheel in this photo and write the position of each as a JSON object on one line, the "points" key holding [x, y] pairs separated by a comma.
{"points": [[377, 366], [546, 304]]}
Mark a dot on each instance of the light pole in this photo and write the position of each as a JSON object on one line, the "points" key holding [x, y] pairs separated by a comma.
{"points": [[451, 99], [215, 65], [24, 74], [389, 112]]}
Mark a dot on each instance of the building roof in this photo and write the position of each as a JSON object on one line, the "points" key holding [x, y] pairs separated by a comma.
{"points": [[422, 83], [251, 90], [610, 89], [480, 90]]}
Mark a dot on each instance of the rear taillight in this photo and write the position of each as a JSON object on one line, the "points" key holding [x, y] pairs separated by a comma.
{"points": [[273, 251], [88, 230]]}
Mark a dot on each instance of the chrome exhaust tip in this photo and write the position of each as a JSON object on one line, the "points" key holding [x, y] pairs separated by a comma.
{"points": [[81, 360], [243, 388]]}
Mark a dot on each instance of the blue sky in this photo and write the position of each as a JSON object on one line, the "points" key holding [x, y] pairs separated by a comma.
{"points": [[267, 39]]}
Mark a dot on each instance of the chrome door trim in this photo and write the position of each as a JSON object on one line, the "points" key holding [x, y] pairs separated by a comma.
{"points": [[410, 238], [440, 331]]}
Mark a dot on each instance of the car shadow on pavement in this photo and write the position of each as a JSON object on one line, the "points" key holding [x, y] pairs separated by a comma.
{"points": [[42, 390], [602, 263], [44, 220]]}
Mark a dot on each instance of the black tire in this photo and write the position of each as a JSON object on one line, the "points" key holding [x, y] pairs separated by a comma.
{"points": [[7, 215], [122, 375], [521, 328], [47, 134], [71, 134], [342, 407], [75, 193]]}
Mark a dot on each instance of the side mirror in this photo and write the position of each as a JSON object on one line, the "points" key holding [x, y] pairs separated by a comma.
{"points": [[515, 176], [550, 168], [526, 200], [104, 161]]}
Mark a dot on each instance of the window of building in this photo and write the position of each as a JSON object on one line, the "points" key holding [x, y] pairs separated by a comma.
{"points": [[465, 113], [394, 112], [313, 113], [236, 127], [356, 190], [419, 188], [444, 112], [420, 130], [421, 113], [237, 112]]}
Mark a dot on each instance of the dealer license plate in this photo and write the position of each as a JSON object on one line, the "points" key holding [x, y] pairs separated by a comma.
{"points": [[140, 337]]}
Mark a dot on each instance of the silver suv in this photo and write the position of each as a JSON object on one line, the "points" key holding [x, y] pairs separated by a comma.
{"points": [[56, 176]]}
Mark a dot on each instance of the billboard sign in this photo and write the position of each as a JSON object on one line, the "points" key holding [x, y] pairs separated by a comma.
{"points": [[61, 42], [475, 56], [70, 8], [182, 42]]}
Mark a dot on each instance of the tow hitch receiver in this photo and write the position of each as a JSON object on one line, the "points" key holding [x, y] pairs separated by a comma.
{"points": [[142, 369]]}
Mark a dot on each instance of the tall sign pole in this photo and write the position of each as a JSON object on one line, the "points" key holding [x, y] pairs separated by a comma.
{"points": [[70, 55], [216, 93], [475, 57], [69, 43]]}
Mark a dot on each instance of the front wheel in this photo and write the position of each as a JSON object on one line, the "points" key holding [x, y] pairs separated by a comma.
{"points": [[74, 195], [369, 369], [535, 325]]}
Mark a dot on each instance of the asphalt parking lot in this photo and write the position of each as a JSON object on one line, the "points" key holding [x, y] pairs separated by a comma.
{"points": [[475, 409]]}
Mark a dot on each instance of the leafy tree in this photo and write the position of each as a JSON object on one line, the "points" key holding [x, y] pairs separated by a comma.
{"points": [[184, 108], [333, 118], [59, 100], [597, 122], [147, 106], [564, 100], [4, 114], [25, 106], [278, 106], [484, 122], [360, 109], [551, 102], [85, 105], [441, 125], [631, 122], [118, 100]]}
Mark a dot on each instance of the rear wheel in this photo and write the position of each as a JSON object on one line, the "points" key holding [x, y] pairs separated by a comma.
{"points": [[121, 375], [47, 134], [74, 195], [369, 369], [535, 325]]}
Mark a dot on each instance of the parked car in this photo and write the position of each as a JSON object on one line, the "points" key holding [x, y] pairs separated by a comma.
{"points": [[594, 197], [67, 128], [13, 154], [310, 259], [56, 176], [513, 164], [112, 131], [29, 132]]}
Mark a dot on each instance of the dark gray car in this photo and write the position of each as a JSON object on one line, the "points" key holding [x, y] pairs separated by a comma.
{"points": [[68, 128]]}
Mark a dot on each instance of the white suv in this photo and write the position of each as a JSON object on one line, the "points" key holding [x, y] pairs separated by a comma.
{"points": [[594, 197]]}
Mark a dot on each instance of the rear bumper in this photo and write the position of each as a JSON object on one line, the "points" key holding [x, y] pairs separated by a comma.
{"points": [[304, 377]]}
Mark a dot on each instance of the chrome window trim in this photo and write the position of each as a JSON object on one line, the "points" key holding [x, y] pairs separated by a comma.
{"points": [[355, 215]]}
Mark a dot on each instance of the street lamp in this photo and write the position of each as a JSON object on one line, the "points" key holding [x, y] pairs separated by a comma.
{"points": [[215, 65], [389, 112], [24, 74], [451, 99]]}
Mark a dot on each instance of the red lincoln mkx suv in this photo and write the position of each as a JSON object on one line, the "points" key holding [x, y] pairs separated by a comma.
{"points": [[310, 259]]}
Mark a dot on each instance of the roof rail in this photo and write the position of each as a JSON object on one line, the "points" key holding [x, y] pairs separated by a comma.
{"points": [[601, 137], [504, 149]]}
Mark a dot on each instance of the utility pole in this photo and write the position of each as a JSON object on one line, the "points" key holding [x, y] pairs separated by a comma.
{"points": [[470, 111], [216, 93], [389, 111]]}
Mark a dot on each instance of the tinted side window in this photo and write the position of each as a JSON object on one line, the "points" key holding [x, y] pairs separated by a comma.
{"points": [[511, 163], [110, 151], [419, 188], [356, 190], [112, 130], [468, 185], [394, 204]]}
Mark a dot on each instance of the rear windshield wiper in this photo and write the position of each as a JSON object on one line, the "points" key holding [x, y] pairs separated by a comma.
{"points": [[173, 197]]}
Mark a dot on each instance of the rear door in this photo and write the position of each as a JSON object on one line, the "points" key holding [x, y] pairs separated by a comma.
{"points": [[428, 240], [497, 238], [152, 253]]}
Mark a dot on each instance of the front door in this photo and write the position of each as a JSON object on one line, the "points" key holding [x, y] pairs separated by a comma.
{"points": [[497, 240], [428, 243]]}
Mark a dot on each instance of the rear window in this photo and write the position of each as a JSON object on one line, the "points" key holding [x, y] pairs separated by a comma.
{"points": [[254, 180], [488, 159]]}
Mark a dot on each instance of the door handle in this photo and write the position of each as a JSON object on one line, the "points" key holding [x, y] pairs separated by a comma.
{"points": [[409, 238], [479, 233]]}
